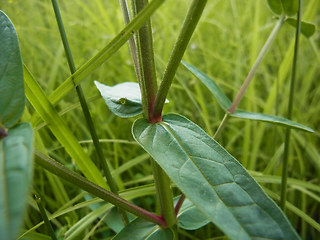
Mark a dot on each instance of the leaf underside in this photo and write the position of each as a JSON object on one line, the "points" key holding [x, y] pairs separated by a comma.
{"points": [[189, 216], [212, 179], [307, 29], [123, 99], [15, 172], [288, 7], [225, 103], [140, 229], [12, 98]]}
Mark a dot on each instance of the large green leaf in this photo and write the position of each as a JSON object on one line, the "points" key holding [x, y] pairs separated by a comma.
{"points": [[307, 29], [123, 99], [212, 179], [189, 216], [140, 229], [288, 7], [15, 172], [225, 103], [12, 98]]}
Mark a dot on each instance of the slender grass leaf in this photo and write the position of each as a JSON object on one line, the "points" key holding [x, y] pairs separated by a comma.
{"points": [[288, 7], [123, 99], [62, 132], [225, 103], [12, 98], [213, 180], [15, 170], [270, 119], [307, 29], [189, 216], [140, 229], [222, 99]]}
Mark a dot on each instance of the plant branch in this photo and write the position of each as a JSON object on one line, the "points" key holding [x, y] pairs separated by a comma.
{"points": [[45, 217], [256, 64], [188, 27], [132, 44], [147, 72], [84, 106], [290, 107], [74, 178]]}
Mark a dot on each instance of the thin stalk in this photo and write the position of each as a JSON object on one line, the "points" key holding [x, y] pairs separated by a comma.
{"points": [[164, 194], [148, 86], [147, 72], [132, 44], [256, 64], [179, 204], [85, 109], [284, 177], [74, 178], [45, 217], [188, 27], [222, 125]]}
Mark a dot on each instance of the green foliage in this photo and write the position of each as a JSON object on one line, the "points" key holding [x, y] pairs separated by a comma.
{"points": [[140, 229], [189, 216], [288, 7], [15, 169], [307, 29], [12, 98], [16, 144], [123, 99], [225, 103], [212, 179]]}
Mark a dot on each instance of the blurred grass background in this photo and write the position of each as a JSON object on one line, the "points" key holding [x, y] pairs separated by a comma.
{"points": [[226, 43]]}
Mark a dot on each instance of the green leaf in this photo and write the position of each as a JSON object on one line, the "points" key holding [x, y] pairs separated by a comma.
{"points": [[62, 132], [212, 179], [123, 99], [189, 216], [288, 7], [140, 229], [307, 29], [222, 99], [225, 103], [12, 98], [15, 172], [270, 119]]}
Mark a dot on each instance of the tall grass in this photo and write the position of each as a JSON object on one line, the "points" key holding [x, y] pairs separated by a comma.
{"points": [[226, 42]]}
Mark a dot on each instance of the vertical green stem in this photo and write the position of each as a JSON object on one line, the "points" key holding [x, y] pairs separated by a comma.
{"points": [[164, 194], [147, 72], [84, 106], [256, 64], [132, 44], [148, 86], [188, 27], [45, 217], [284, 177]]}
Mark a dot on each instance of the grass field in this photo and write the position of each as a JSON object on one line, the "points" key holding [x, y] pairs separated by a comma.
{"points": [[225, 45]]}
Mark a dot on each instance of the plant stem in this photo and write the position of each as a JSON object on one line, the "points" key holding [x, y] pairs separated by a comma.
{"points": [[147, 72], [74, 178], [189, 25], [222, 125], [179, 204], [148, 86], [45, 217], [132, 44], [84, 106], [290, 107], [256, 64], [164, 194]]}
